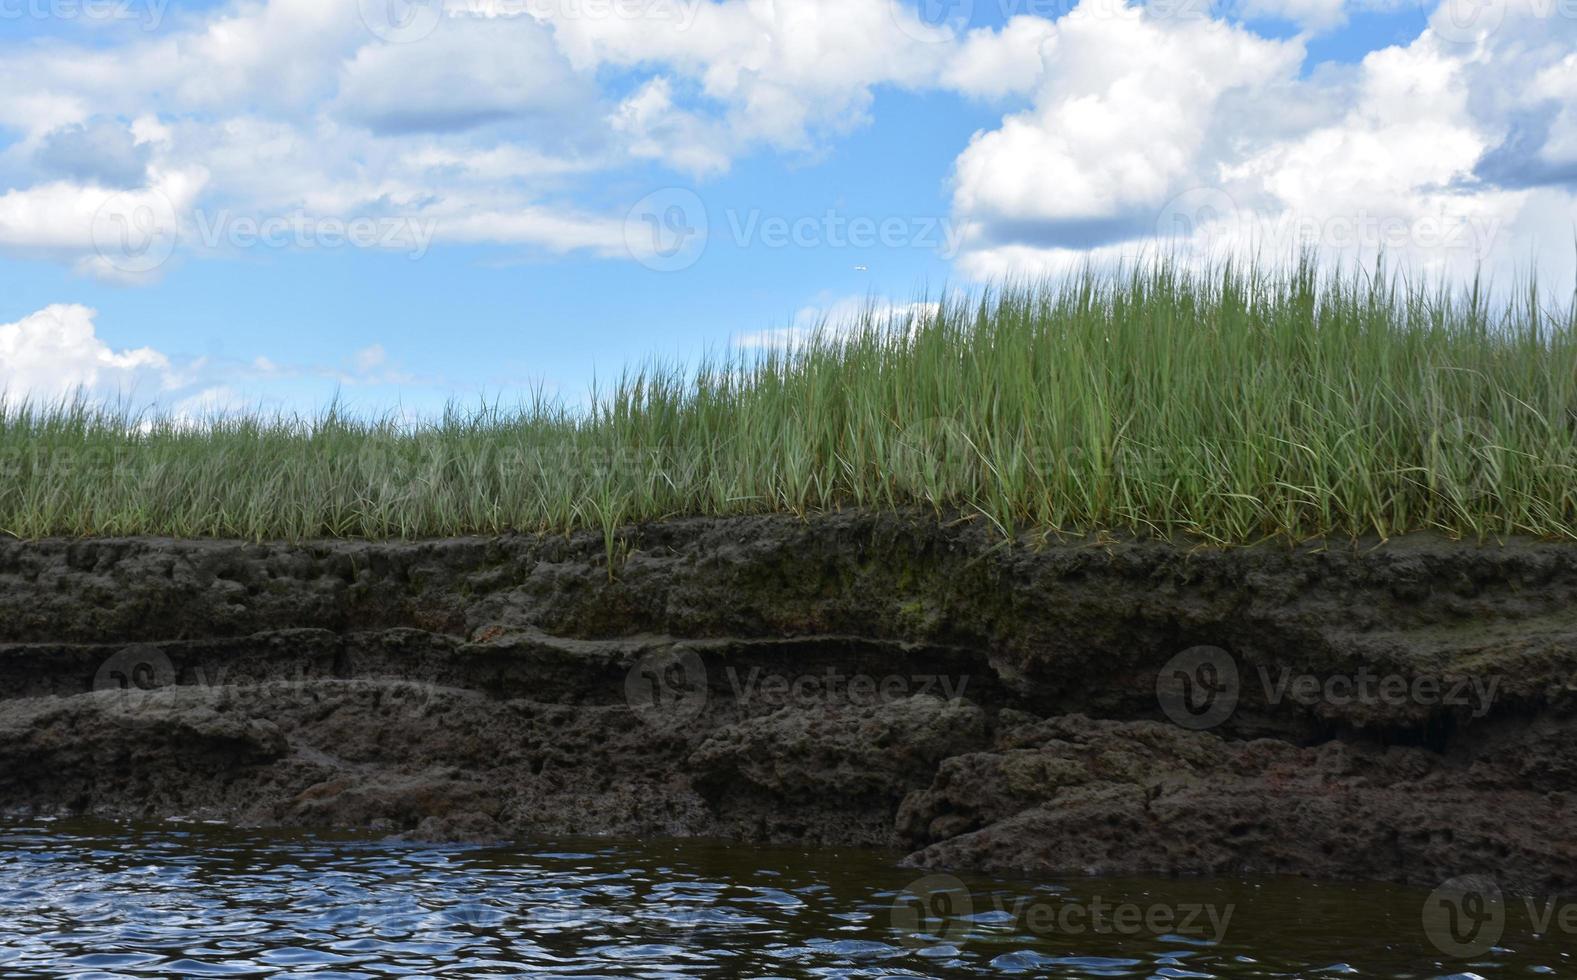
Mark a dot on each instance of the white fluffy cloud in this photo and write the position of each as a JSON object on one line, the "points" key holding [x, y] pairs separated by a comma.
{"points": [[116, 234], [781, 74], [469, 73], [294, 109], [1126, 106], [658, 129], [55, 352], [1208, 138], [476, 122], [996, 63], [500, 121]]}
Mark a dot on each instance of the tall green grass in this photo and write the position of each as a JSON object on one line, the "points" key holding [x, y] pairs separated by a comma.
{"points": [[1230, 405]]}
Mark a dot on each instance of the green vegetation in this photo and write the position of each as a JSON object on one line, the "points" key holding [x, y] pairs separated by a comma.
{"points": [[1233, 405]]}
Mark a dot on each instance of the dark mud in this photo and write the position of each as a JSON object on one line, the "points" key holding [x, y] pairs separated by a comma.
{"points": [[1401, 712]]}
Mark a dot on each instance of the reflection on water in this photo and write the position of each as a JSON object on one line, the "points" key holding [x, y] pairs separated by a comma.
{"points": [[99, 901]]}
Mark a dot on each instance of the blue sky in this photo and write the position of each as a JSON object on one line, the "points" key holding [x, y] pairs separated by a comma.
{"points": [[502, 167]]}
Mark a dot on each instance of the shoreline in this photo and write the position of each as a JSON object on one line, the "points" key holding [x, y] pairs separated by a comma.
{"points": [[1398, 713]]}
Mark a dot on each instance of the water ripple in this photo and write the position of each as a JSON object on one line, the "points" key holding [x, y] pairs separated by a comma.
{"points": [[103, 902]]}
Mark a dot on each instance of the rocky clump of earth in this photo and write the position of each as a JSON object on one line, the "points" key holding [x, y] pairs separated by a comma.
{"points": [[1399, 711]]}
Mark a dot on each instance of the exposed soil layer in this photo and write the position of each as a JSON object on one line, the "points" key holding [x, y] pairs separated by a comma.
{"points": [[1401, 711]]}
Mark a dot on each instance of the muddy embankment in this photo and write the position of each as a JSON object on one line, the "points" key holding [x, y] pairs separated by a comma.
{"points": [[1401, 712]]}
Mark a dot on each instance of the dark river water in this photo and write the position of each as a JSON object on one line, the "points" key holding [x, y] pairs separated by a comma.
{"points": [[96, 901]]}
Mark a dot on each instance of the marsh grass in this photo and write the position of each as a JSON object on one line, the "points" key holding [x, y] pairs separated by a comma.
{"points": [[1231, 405]]}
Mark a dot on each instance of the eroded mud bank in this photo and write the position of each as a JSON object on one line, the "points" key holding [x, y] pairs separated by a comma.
{"points": [[1400, 712]]}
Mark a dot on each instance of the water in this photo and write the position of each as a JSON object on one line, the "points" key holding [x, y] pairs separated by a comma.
{"points": [[98, 901]]}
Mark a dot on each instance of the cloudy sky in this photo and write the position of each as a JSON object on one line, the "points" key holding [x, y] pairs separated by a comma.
{"points": [[219, 204]]}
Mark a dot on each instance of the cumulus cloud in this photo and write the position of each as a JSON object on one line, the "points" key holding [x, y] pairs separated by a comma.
{"points": [[298, 109], [1429, 152], [102, 151], [469, 73], [1519, 160], [1126, 108], [997, 63], [658, 129], [125, 235], [780, 74], [55, 352], [277, 54], [1539, 143], [499, 121]]}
